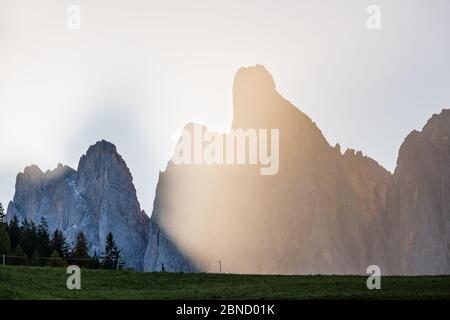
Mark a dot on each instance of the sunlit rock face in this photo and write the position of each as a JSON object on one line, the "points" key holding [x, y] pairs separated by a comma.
{"points": [[417, 217], [314, 216], [97, 198], [161, 252], [322, 212]]}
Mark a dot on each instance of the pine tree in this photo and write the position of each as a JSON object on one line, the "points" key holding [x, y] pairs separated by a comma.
{"points": [[2, 214], [44, 248], [59, 243], [28, 237], [56, 261], [14, 232], [112, 254], [5, 244], [80, 254], [19, 256], [36, 260], [95, 263]]}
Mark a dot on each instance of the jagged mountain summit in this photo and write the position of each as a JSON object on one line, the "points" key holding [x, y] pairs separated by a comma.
{"points": [[417, 216], [97, 198], [313, 216], [323, 212]]}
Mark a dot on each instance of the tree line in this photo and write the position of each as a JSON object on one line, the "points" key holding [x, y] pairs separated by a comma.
{"points": [[26, 243]]}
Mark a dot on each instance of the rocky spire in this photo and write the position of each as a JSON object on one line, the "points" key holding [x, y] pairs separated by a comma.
{"points": [[97, 198]]}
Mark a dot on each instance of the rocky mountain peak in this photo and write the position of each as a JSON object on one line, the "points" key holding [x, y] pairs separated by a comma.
{"points": [[254, 80], [97, 198], [324, 212], [439, 119], [418, 210], [307, 218], [254, 98], [103, 162], [434, 135], [32, 171], [101, 147], [437, 129]]}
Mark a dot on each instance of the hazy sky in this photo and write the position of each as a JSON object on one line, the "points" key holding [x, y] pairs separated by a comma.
{"points": [[137, 71]]}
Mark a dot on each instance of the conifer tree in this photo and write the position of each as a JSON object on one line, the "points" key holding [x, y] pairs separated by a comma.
{"points": [[112, 254], [80, 254], [28, 238], [56, 260], [5, 244], [36, 260], [43, 239], [14, 232], [95, 263], [19, 256], [59, 243]]}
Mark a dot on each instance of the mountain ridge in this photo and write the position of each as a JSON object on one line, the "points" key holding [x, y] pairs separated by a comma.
{"points": [[324, 212]]}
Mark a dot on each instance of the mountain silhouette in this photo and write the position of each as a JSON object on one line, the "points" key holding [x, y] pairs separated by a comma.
{"points": [[323, 212]]}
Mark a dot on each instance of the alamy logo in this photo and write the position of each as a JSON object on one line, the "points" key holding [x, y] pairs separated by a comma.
{"points": [[250, 146], [374, 280], [374, 18], [74, 280], [73, 18]]}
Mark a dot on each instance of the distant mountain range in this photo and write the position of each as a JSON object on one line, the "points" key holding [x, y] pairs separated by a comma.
{"points": [[325, 212]]}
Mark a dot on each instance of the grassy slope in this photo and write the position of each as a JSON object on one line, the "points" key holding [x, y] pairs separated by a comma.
{"points": [[50, 283]]}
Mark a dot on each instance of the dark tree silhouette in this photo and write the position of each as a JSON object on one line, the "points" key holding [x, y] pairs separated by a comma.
{"points": [[59, 244], [80, 254], [112, 255], [44, 248], [14, 232], [28, 239], [5, 244]]}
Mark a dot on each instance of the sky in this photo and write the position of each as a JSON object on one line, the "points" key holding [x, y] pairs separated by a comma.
{"points": [[137, 71]]}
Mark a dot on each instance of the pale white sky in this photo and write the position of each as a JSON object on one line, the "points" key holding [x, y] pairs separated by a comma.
{"points": [[137, 71]]}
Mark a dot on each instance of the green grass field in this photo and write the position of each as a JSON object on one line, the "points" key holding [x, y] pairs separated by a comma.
{"points": [[50, 283]]}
